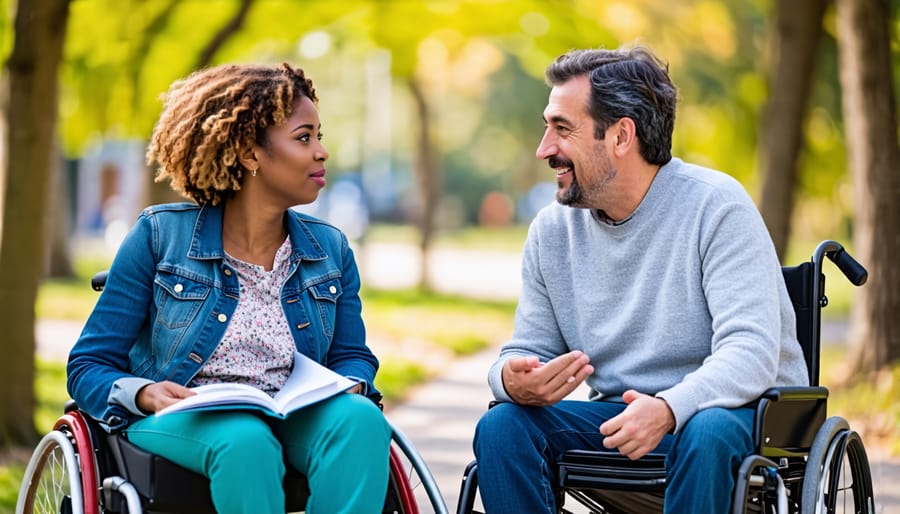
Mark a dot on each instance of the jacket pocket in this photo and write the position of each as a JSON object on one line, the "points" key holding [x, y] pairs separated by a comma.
{"points": [[177, 299], [326, 296]]}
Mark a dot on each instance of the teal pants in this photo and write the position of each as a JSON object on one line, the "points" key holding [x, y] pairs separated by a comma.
{"points": [[340, 444]]}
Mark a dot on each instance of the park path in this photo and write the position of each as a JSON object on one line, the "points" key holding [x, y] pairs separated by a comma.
{"points": [[439, 417]]}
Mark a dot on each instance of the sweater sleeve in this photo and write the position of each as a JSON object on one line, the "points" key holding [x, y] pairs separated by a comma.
{"points": [[740, 280], [536, 329]]}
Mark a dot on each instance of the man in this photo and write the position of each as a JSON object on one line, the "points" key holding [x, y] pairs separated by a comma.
{"points": [[653, 280]]}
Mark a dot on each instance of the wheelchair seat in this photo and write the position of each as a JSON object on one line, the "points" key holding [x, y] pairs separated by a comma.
{"points": [[797, 449]]}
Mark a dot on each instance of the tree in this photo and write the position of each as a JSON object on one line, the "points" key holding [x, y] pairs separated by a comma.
{"points": [[798, 29], [870, 113], [31, 110]]}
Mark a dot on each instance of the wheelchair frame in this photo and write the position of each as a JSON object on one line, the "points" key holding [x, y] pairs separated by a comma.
{"points": [[801, 455], [90, 471]]}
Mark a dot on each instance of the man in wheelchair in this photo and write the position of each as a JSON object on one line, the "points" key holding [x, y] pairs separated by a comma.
{"points": [[652, 280]]}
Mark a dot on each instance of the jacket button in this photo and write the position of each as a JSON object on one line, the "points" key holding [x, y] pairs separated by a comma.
{"points": [[332, 289], [227, 272], [179, 288], [223, 318]]}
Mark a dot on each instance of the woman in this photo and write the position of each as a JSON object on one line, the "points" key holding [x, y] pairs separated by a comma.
{"points": [[226, 289]]}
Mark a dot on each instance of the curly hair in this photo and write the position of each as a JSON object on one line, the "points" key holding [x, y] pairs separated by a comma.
{"points": [[214, 114], [630, 83]]}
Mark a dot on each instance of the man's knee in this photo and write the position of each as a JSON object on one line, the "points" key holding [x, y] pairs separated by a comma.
{"points": [[500, 425], [719, 430]]}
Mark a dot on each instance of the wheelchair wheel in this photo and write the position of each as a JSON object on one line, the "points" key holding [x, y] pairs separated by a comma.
{"points": [[412, 489], [837, 478], [52, 480]]}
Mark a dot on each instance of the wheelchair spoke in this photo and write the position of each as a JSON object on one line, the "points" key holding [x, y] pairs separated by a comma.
{"points": [[49, 478]]}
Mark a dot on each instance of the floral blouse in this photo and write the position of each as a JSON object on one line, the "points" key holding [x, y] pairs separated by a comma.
{"points": [[257, 348]]}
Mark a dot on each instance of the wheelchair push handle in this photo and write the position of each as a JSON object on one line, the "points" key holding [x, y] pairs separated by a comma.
{"points": [[852, 269], [98, 281]]}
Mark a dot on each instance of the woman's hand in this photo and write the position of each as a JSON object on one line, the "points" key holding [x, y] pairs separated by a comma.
{"points": [[157, 396]]}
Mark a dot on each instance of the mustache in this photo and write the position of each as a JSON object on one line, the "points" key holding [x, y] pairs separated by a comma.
{"points": [[557, 162]]}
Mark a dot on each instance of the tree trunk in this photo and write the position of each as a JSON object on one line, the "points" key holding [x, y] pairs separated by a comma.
{"points": [[58, 221], [866, 77], [428, 179], [798, 28], [31, 70]]}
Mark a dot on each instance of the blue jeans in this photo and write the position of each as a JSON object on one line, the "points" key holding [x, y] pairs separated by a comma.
{"points": [[341, 444], [517, 447]]}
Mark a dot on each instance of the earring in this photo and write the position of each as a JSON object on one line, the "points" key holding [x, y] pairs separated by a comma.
{"points": [[253, 171]]}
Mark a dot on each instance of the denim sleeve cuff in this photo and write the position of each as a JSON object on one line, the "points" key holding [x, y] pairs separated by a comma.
{"points": [[364, 390], [124, 393]]}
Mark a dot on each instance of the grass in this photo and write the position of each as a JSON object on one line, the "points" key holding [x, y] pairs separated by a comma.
{"points": [[870, 403]]}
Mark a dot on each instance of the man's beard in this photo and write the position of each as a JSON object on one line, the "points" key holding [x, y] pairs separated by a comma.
{"points": [[573, 196], [592, 196]]}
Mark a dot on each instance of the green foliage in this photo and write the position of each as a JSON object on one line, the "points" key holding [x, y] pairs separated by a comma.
{"points": [[71, 298], [50, 388], [10, 478], [871, 404], [396, 377], [482, 73]]}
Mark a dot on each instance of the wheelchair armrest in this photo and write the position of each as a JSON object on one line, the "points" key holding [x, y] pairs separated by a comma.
{"points": [[787, 419], [789, 393]]}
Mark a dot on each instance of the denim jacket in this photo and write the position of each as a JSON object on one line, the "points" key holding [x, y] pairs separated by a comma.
{"points": [[169, 296]]}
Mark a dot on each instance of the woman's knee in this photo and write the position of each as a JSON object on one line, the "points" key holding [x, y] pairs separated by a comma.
{"points": [[356, 415], [246, 437]]}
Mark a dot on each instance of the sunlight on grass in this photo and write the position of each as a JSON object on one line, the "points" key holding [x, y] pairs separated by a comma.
{"points": [[871, 404], [10, 478], [396, 377], [461, 325], [50, 390]]}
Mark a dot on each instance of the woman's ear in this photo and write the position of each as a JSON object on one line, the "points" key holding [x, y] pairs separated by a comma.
{"points": [[247, 158]]}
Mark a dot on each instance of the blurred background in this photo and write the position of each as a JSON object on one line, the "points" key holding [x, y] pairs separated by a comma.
{"points": [[432, 111]]}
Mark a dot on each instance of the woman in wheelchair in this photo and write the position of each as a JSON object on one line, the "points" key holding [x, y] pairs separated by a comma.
{"points": [[225, 289], [653, 280]]}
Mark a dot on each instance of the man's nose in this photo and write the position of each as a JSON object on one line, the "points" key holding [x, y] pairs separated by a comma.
{"points": [[546, 148]]}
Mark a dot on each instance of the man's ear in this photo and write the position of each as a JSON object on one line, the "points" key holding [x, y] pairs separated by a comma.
{"points": [[624, 136]]}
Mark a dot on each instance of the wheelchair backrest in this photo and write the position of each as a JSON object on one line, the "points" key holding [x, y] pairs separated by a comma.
{"points": [[800, 286]]}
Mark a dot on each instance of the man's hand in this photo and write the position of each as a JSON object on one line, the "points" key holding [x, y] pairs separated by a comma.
{"points": [[640, 427], [157, 396], [529, 382]]}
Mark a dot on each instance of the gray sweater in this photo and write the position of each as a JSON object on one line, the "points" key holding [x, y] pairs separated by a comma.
{"points": [[685, 300]]}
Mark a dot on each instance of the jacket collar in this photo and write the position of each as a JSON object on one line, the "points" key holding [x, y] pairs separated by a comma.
{"points": [[206, 240]]}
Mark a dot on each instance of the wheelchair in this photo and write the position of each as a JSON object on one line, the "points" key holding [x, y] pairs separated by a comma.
{"points": [[79, 468], [804, 463]]}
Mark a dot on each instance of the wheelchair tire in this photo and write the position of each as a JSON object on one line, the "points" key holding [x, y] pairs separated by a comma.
{"points": [[837, 478], [52, 480], [412, 489]]}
